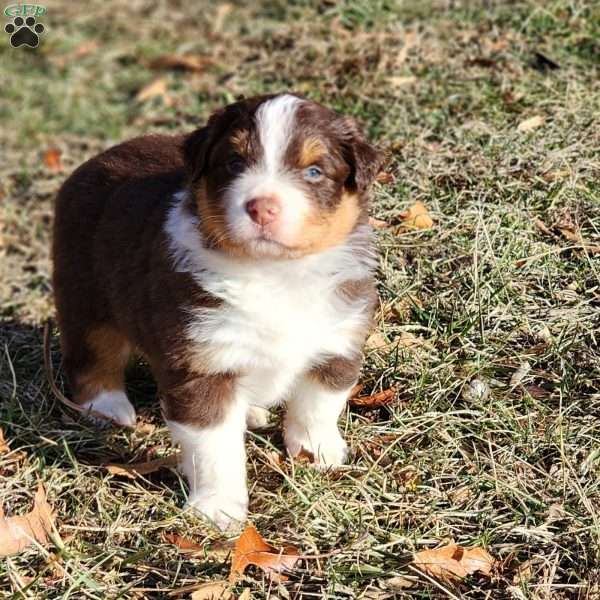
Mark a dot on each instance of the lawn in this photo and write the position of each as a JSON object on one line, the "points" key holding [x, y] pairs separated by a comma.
{"points": [[488, 323]]}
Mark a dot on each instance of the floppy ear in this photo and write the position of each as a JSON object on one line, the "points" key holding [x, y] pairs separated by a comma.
{"points": [[364, 159], [197, 145]]}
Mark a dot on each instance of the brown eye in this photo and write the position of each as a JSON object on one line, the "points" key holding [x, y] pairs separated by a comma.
{"points": [[235, 166]]}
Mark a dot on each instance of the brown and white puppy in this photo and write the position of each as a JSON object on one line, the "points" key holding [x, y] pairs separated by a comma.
{"points": [[237, 261]]}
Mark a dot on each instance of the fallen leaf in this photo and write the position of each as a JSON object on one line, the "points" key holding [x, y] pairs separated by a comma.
{"points": [[571, 234], [376, 341], [538, 392], [52, 160], [454, 562], [252, 549], [378, 223], [399, 583], [184, 544], [541, 226], [384, 178], [213, 590], [379, 399], [18, 532], [132, 470], [3, 445], [417, 216], [531, 123], [157, 87], [181, 62]]}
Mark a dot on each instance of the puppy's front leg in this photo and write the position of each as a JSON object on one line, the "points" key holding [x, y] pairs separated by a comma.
{"points": [[314, 408], [207, 417]]}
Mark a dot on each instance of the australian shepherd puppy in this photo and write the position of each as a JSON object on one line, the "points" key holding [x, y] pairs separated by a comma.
{"points": [[237, 260]]}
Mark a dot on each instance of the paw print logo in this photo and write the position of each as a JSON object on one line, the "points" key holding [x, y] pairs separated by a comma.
{"points": [[24, 32]]}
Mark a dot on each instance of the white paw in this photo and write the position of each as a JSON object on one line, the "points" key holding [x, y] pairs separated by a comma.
{"points": [[114, 406], [257, 417], [224, 511], [327, 447]]}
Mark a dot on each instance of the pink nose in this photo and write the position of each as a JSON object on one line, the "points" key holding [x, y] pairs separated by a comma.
{"points": [[263, 209]]}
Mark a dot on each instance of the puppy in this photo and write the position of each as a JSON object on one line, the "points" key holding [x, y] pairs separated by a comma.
{"points": [[237, 260]]}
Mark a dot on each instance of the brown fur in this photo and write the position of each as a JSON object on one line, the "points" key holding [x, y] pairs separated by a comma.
{"points": [[115, 285]]}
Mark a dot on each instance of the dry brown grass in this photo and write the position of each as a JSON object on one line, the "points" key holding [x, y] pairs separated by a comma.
{"points": [[503, 296]]}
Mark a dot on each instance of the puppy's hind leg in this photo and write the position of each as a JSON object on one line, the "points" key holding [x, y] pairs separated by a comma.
{"points": [[95, 362]]}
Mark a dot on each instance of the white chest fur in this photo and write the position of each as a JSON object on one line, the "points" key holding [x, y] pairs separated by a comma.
{"points": [[276, 318]]}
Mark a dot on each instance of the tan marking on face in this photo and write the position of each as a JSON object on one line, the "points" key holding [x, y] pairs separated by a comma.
{"points": [[322, 231], [111, 352], [311, 151], [239, 140]]}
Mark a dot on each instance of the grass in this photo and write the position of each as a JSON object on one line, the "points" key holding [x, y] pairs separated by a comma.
{"points": [[498, 303]]}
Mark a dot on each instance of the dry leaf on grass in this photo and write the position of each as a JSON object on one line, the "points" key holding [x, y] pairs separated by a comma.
{"points": [[52, 160], [384, 178], [18, 532], [157, 87], [184, 544], [252, 549], [213, 590], [3, 445], [374, 400], [181, 62], [531, 123], [378, 223], [417, 217], [454, 562], [132, 470], [376, 341]]}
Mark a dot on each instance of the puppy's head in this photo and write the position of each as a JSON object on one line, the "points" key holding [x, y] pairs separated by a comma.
{"points": [[279, 177]]}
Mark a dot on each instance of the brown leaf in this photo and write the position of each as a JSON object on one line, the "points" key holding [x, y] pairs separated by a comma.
{"points": [[531, 123], [252, 549], [454, 562], [376, 341], [157, 87], [541, 226], [384, 178], [572, 234], [417, 217], [379, 399], [304, 456], [213, 590], [3, 445], [18, 532], [132, 470], [181, 62], [378, 223], [52, 160], [184, 544]]}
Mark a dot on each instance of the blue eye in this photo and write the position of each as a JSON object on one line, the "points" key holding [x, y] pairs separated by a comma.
{"points": [[313, 174]]}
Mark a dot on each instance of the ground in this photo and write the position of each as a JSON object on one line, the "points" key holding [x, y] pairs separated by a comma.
{"points": [[489, 114]]}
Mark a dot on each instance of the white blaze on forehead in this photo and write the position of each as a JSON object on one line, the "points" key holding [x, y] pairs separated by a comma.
{"points": [[275, 119]]}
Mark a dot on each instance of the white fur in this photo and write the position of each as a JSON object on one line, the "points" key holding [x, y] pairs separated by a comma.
{"points": [[311, 422], [114, 405], [277, 319], [257, 417], [275, 121], [214, 463]]}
